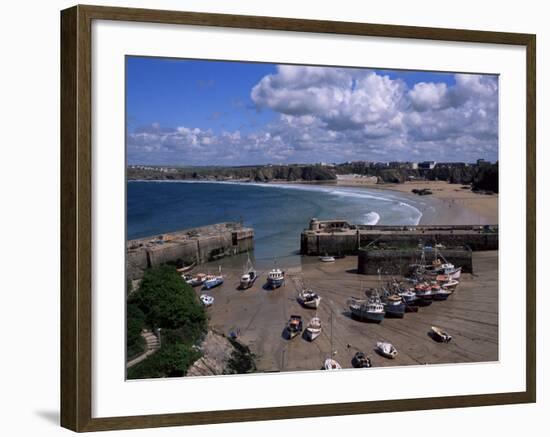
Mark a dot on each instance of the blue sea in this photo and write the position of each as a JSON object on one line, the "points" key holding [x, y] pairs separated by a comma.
{"points": [[277, 212]]}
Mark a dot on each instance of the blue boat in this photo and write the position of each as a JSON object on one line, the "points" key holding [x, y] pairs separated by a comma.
{"points": [[394, 306], [275, 278], [213, 281]]}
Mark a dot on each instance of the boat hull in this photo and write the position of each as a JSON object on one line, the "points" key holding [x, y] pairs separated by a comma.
{"points": [[441, 296], [247, 284], [312, 334], [395, 311], [208, 285], [275, 283], [367, 316], [311, 304]]}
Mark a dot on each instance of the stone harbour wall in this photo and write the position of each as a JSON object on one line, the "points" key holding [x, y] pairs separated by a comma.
{"points": [[191, 246]]}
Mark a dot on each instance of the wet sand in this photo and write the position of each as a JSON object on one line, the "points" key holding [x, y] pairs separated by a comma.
{"points": [[459, 205], [470, 315]]}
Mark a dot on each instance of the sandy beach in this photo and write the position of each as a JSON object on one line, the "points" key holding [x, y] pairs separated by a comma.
{"points": [[470, 315], [460, 205]]}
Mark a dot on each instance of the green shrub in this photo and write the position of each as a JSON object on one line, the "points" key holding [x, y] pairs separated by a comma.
{"points": [[135, 322], [167, 301], [172, 360]]}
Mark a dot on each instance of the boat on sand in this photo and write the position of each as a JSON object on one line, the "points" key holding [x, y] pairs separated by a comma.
{"points": [[439, 335], [313, 329], [386, 349]]}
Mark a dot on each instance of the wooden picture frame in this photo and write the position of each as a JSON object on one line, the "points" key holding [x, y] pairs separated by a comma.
{"points": [[76, 218]]}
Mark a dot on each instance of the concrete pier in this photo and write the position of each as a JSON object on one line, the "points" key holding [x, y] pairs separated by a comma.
{"points": [[190, 246], [335, 237]]}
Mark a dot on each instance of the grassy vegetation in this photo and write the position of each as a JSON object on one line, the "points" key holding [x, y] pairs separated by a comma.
{"points": [[135, 322], [164, 301]]}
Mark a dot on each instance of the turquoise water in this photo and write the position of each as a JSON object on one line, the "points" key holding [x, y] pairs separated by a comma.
{"points": [[278, 213]]}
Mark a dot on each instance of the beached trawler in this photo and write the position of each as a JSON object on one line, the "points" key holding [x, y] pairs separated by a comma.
{"points": [[386, 349], [424, 294], [394, 306], [440, 335], [309, 299], [439, 266], [294, 326], [370, 310], [441, 293], [314, 328], [275, 278], [408, 296], [445, 281], [249, 276], [360, 360]]}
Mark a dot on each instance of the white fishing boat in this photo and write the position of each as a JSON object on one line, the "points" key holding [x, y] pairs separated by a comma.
{"points": [[249, 276], [206, 300], [327, 259], [314, 328], [331, 364], [275, 278], [386, 349], [369, 310], [309, 299]]}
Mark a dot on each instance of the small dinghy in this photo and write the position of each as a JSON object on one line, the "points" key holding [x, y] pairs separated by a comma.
{"points": [[386, 349], [327, 259], [331, 364], [294, 326], [440, 335], [206, 300], [313, 329], [185, 269], [309, 299], [360, 360]]}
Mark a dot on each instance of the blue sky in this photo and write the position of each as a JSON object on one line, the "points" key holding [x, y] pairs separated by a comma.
{"points": [[191, 112]]}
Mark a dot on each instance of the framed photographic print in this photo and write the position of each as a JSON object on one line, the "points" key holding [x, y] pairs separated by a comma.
{"points": [[268, 218]]}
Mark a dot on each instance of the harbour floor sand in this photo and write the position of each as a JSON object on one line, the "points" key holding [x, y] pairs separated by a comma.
{"points": [[470, 315]]}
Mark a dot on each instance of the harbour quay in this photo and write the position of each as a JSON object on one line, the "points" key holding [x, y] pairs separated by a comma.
{"points": [[339, 237], [373, 259], [187, 247]]}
